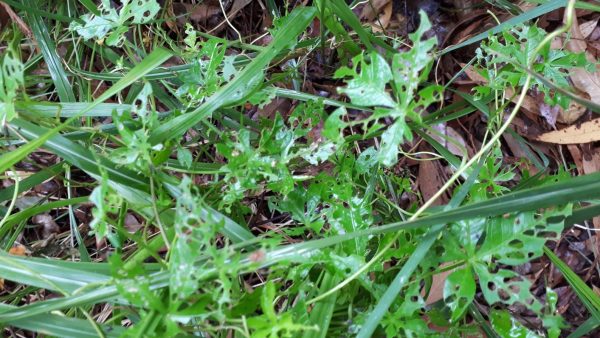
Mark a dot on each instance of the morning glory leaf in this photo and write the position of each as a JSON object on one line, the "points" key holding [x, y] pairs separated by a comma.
{"points": [[367, 88], [99, 27], [390, 140]]}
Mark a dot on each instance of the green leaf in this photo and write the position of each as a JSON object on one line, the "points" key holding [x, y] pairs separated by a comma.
{"points": [[508, 327], [55, 67], [11, 79], [157, 57], [244, 82], [367, 87], [515, 240], [390, 139], [99, 26], [505, 286], [523, 17], [459, 291], [184, 156]]}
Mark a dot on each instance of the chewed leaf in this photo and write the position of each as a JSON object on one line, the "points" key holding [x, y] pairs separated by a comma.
{"points": [[459, 291], [11, 79], [507, 287], [94, 27], [390, 140], [517, 239], [366, 160], [100, 27], [142, 11], [367, 88]]}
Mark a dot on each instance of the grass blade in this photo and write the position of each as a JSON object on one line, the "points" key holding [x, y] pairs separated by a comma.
{"points": [[156, 58], [55, 67], [243, 84], [414, 260], [587, 296], [531, 14], [69, 109], [31, 181], [47, 276], [60, 326], [341, 9], [80, 156]]}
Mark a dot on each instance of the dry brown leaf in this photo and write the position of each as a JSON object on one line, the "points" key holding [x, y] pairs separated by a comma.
{"points": [[591, 164], [572, 114], [381, 22], [18, 250], [17, 19], [436, 292], [430, 181], [580, 133], [50, 226], [587, 82], [372, 8], [587, 28], [451, 134], [577, 157], [591, 161]]}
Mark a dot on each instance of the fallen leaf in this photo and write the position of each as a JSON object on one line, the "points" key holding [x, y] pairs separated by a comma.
{"points": [[17, 19], [577, 157], [430, 181], [579, 133], [587, 82], [372, 8], [382, 21], [18, 250], [436, 292], [449, 138], [550, 114], [50, 226], [587, 28], [572, 114]]}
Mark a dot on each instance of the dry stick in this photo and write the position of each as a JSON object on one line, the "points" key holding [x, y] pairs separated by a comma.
{"points": [[462, 169]]}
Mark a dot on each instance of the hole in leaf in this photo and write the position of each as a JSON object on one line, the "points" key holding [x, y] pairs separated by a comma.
{"points": [[516, 243], [504, 296]]}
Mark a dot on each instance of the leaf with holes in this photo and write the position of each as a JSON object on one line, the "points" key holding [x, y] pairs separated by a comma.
{"points": [[517, 239], [11, 79], [507, 326], [505, 286], [390, 139], [459, 290], [99, 26], [367, 86]]}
